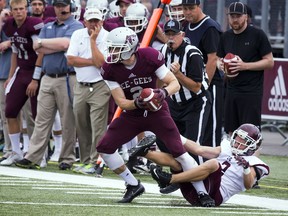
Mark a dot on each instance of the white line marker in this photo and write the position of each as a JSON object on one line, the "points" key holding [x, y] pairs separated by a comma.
{"points": [[253, 201]]}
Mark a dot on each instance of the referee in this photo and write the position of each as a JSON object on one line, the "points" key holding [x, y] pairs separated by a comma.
{"points": [[190, 106]]}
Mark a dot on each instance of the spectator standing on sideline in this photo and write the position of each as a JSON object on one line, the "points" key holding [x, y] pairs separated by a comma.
{"points": [[190, 106], [254, 55], [204, 33], [91, 93], [232, 167], [38, 10], [5, 57], [128, 71], [56, 90], [21, 83]]}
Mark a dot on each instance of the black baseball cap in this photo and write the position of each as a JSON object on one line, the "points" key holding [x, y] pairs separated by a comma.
{"points": [[63, 2], [191, 2], [172, 25], [237, 8]]}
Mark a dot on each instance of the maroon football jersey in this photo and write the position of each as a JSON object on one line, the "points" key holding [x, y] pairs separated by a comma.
{"points": [[141, 76], [49, 12], [22, 41], [112, 23]]}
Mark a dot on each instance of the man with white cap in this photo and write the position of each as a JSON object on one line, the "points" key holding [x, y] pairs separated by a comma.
{"points": [[91, 94]]}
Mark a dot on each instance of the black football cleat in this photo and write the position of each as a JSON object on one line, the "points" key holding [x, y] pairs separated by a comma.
{"points": [[132, 192], [256, 185], [64, 166], [206, 200], [170, 188], [27, 164], [142, 148], [163, 178]]}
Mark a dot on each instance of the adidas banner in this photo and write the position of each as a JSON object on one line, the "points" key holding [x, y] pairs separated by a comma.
{"points": [[275, 95]]}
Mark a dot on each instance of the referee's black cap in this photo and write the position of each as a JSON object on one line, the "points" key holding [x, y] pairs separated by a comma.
{"points": [[172, 25], [237, 8]]}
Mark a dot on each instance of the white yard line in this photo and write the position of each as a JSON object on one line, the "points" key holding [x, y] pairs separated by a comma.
{"points": [[254, 201]]}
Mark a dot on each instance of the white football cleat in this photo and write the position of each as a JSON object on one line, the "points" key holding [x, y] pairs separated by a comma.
{"points": [[13, 158]]}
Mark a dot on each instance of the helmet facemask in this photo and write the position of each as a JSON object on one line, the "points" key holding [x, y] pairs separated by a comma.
{"points": [[176, 12], [137, 24], [115, 53], [136, 17]]}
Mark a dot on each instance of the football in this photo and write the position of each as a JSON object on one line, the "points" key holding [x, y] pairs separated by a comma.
{"points": [[227, 59], [148, 97]]}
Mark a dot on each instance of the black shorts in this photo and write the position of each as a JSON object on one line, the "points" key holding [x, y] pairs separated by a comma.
{"points": [[240, 109]]}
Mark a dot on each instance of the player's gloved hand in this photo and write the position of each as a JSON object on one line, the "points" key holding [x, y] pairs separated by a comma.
{"points": [[160, 94], [140, 103], [242, 162]]}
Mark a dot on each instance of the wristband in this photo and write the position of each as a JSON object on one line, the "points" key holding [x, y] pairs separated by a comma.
{"points": [[166, 92], [247, 171], [136, 105], [37, 73]]}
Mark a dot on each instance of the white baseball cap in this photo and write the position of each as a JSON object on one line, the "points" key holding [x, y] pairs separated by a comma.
{"points": [[93, 13]]}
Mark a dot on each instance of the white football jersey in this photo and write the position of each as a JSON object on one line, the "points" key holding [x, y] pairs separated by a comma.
{"points": [[232, 181]]}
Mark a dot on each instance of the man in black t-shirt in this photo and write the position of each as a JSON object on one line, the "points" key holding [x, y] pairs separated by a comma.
{"points": [[204, 33], [244, 92]]}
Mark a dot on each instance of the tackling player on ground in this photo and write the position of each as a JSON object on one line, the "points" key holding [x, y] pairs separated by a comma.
{"points": [[232, 167]]}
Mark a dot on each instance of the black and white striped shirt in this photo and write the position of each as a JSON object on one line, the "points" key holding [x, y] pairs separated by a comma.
{"points": [[191, 65]]}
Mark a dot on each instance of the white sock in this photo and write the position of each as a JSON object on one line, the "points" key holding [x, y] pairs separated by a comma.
{"points": [[187, 162], [25, 142], [57, 142], [128, 177], [15, 142], [199, 187]]}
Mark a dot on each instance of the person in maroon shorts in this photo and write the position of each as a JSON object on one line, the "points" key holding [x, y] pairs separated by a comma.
{"points": [[21, 30], [229, 169], [128, 71]]}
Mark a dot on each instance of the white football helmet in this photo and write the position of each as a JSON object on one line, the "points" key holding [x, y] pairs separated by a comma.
{"points": [[136, 17], [102, 5], [77, 9], [122, 42], [252, 137], [114, 10], [175, 10]]}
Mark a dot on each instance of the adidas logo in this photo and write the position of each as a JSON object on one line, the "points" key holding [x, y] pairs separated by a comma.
{"points": [[15, 34], [278, 103], [132, 75]]}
